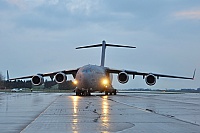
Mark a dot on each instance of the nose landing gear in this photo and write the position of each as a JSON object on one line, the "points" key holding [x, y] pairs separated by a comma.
{"points": [[83, 93]]}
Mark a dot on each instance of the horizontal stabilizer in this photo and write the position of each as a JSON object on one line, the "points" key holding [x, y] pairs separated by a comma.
{"points": [[111, 45], [90, 46], [123, 46], [104, 45]]}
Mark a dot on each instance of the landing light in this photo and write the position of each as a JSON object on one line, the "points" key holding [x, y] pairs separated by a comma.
{"points": [[75, 82], [105, 81]]}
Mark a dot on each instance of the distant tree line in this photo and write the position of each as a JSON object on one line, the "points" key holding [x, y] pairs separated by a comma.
{"points": [[17, 84], [1, 81], [68, 85]]}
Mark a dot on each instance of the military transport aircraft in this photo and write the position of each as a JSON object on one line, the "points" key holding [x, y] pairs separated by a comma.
{"points": [[91, 78]]}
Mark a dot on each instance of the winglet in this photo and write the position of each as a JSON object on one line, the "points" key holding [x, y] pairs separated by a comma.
{"points": [[8, 78], [194, 74]]}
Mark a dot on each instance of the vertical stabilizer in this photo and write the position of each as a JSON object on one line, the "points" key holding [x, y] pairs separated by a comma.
{"points": [[103, 52]]}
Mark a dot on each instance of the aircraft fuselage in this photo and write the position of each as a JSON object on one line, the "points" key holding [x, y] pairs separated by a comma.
{"points": [[92, 78]]}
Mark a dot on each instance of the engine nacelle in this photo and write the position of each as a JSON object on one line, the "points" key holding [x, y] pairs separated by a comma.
{"points": [[123, 77], [60, 77], [150, 79], [37, 80]]}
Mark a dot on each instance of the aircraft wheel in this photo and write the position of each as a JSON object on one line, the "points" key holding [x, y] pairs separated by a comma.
{"points": [[78, 93], [106, 93], [89, 93], [115, 92], [85, 93]]}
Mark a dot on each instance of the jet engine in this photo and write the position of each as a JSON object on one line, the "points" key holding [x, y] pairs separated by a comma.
{"points": [[150, 79], [123, 77], [60, 78], [37, 80]]}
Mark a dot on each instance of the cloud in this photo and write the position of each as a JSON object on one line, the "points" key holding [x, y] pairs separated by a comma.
{"points": [[18, 3], [73, 6], [188, 14], [27, 4], [44, 14], [53, 2], [86, 6]]}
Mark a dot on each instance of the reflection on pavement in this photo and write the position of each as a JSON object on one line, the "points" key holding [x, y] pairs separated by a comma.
{"points": [[75, 100], [105, 112]]}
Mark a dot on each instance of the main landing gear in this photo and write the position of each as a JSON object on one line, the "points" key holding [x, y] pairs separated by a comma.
{"points": [[113, 91]]}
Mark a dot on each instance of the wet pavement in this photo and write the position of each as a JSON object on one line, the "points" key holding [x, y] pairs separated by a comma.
{"points": [[125, 112]]}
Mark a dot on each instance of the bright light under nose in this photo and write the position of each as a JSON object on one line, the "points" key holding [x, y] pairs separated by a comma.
{"points": [[75, 82], [105, 82]]}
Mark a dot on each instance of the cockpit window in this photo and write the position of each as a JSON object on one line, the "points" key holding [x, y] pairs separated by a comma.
{"points": [[86, 70]]}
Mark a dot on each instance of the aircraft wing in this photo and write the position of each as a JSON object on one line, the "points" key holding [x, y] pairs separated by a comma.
{"points": [[51, 74], [146, 74]]}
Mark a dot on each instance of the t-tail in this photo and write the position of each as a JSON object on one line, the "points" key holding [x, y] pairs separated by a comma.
{"points": [[103, 52]]}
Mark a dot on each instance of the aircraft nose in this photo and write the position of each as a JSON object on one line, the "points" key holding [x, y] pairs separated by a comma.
{"points": [[85, 81]]}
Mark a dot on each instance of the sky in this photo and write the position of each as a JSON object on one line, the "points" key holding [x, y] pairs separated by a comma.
{"points": [[40, 36]]}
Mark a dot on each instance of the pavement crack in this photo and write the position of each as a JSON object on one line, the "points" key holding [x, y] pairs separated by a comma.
{"points": [[88, 105], [97, 118]]}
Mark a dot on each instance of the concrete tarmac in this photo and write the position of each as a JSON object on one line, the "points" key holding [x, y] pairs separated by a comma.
{"points": [[123, 113]]}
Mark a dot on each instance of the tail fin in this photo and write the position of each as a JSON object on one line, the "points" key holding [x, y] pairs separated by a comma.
{"points": [[104, 45], [8, 76]]}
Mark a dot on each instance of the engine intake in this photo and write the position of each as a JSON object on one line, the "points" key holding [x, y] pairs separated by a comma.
{"points": [[60, 78], [37, 80], [123, 77], [150, 79]]}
